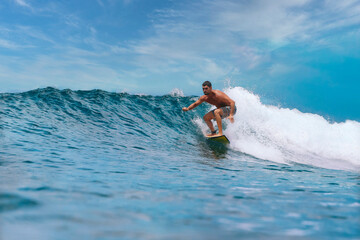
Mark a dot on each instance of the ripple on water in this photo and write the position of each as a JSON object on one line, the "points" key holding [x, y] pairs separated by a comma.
{"points": [[37, 189], [10, 201], [296, 232]]}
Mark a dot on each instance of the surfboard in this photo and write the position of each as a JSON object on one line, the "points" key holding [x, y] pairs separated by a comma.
{"points": [[221, 139]]}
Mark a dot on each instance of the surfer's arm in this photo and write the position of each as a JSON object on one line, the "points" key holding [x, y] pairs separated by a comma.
{"points": [[194, 105], [232, 108], [227, 99]]}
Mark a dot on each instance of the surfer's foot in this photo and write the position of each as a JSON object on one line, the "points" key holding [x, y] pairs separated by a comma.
{"points": [[213, 133], [216, 135]]}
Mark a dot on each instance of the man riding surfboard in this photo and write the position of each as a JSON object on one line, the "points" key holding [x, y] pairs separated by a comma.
{"points": [[225, 107]]}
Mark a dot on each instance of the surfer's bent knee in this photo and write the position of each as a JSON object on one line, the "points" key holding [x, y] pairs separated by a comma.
{"points": [[206, 117], [217, 111]]}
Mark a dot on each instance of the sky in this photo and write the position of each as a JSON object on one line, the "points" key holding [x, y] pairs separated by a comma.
{"points": [[301, 54]]}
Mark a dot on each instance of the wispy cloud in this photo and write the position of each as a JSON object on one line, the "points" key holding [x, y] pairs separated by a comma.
{"points": [[260, 19], [20, 36], [126, 2], [9, 45], [74, 70], [33, 33], [100, 2], [283, 20], [205, 39], [243, 33], [22, 3]]}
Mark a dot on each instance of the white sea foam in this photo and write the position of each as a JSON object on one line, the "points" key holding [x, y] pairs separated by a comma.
{"points": [[176, 92], [288, 135]]}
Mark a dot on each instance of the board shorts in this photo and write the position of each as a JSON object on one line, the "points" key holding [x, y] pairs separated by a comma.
{"points": [[226, 111]]}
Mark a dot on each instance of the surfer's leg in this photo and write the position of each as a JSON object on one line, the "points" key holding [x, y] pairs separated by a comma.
{"points": [[218, 113], [207, 118]]}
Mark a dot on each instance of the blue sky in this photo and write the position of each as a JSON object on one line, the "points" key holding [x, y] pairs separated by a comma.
{"points": [[298, 53]]}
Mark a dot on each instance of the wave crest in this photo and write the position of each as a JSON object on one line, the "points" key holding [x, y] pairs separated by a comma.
{"points": [[288, 135]]}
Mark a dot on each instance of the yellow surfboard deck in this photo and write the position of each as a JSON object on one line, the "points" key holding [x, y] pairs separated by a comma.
{"points": [[221, 139]]}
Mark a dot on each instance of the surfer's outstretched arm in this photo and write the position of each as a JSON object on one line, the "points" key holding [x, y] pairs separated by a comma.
{"points": [[194, 105]]}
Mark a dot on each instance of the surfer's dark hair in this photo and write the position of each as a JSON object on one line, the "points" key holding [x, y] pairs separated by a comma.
{"points": [[207, 83]]}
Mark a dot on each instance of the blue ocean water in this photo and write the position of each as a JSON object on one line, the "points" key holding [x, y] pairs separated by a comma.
{"points": [[101, 165]]}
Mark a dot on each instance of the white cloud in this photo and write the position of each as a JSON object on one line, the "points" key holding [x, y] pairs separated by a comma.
{"points": [[9, 45], [243, 33], [22, 3], [126, 2], [247, 56], [33, 33], [19, 37], [261, 19], [74, 71], [283, 20], [280, 69], [100, 3], [202, 39]]}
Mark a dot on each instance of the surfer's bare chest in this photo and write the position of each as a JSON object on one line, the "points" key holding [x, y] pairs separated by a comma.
{"points": [[215, 100]]}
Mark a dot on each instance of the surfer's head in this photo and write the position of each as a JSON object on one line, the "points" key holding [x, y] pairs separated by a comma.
{"points": [[206, 86]]}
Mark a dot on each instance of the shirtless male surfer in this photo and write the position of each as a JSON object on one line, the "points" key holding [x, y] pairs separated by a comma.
{"points": [[225, 107]]}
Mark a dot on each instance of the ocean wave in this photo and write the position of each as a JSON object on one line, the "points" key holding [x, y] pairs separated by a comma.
{"points": [[155, 125]]}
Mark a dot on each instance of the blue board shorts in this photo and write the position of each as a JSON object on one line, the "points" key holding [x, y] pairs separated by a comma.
{"points": [[226, 111]]}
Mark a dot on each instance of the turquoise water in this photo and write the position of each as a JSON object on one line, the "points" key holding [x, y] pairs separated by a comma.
{"points": [[100, 165]]}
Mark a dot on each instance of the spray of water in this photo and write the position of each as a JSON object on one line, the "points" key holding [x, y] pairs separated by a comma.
{"points": [[289, 136]]}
